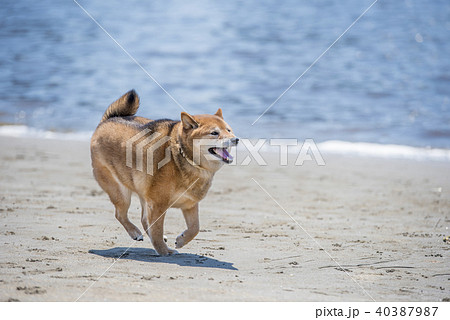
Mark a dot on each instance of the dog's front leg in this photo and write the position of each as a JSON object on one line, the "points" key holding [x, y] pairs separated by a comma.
{"points": [[193, 226], [156, 230]]}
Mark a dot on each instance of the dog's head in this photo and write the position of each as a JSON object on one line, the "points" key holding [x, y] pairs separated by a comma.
{"points": [[208, 139]]}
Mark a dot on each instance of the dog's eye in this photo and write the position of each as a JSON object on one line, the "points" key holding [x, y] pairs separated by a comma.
{"points": [[215, 133], [229, 130]]}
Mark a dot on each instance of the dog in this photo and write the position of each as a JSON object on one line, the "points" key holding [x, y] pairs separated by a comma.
{"points": [[181, 156]]}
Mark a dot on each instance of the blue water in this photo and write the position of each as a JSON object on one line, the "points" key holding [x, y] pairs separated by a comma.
{"points": [[386, 81]]}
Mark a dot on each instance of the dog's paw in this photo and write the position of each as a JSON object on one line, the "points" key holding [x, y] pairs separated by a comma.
{"points": [[167, 252], [136, 235], [179, 242]]}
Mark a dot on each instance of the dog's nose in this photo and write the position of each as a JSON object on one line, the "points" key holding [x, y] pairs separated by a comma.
{"points": [[235, 140]]}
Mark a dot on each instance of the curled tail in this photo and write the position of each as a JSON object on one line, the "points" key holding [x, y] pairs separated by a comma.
{"points": [[126, 105]]}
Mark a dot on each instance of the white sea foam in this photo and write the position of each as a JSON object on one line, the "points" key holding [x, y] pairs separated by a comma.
{"points": [[383, 150], [27, 132], [364, 149], [327, 147]]}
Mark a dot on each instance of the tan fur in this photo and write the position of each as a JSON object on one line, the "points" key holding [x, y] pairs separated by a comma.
{"points": [[179, 184]]}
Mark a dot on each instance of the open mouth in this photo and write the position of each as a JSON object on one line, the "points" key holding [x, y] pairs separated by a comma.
{"points": [[222, 154]]}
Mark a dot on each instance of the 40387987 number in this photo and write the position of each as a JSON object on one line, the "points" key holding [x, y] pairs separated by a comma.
{"points": [[407, 311]]}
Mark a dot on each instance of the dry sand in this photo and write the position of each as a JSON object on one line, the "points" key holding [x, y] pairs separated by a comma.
{"points": [[383, 221]]}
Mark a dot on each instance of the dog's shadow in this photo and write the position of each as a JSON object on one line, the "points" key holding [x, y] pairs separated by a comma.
{"points": [[150, 255]]}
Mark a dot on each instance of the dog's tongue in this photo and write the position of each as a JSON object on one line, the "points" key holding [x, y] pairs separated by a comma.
{"points": [[224, 154]]}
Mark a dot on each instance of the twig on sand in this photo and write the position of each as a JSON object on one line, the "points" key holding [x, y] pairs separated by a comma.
{"points": [[359, 264], [290, 257], [437, 223], [396, 267]]}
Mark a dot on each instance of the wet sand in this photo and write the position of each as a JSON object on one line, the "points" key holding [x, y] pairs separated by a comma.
{"points": [[367, 229]]}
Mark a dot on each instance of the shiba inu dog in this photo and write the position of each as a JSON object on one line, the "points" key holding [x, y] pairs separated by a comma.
{"points": [[181, 168]]}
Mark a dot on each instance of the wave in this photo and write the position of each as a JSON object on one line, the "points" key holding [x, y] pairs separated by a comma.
{"points": [[360, 149], [27, 132], [383, 150], [366, 149]]}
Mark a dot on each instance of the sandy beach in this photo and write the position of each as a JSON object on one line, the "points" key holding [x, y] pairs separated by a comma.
{"points": [[366, 229]]}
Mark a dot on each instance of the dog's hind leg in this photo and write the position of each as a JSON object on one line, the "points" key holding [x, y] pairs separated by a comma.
{"points": [[193, 227], [121, 198], [155, 230]]}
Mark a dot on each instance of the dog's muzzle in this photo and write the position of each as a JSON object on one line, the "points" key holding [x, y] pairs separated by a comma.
{"points": [[222, 150]]}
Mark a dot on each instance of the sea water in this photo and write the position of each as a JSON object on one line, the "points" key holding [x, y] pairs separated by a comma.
{"points": [[386, 81]]}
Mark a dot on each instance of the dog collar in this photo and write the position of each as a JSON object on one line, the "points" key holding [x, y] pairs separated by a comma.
{"points": [[191, 162]]}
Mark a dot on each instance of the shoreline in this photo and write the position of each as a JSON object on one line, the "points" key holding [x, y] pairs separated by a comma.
{"points": [[382, 220], [331, 147]]}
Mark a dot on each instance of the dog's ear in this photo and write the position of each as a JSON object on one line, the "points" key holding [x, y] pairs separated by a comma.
{"points": [[219, 113], [188, 121]]}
